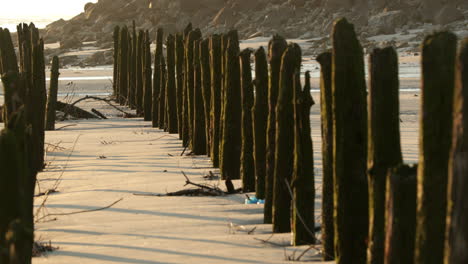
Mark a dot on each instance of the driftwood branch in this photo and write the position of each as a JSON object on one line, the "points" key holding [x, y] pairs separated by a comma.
{"points": [[72, 110], [109, 102]]}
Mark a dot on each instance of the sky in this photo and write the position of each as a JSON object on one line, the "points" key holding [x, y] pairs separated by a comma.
{"points": [[44, 9]]}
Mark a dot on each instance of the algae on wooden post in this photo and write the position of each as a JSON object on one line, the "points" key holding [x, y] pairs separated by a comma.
{"points": [[146, 77], [132, 73], [216, 82], [400, 215], [350, 145], [384, 150], [179, 53], [123, 62], [162, 95], [115, 83], [326, 112], [206, 89], [193, 36], [157, 77], [198, 114], [231, 139], [303, 182], [52, 98], [276, 47], [284, 155], [172, 125], [457, 211], [438, 74], [247, 93], [140, 64], [260, 118]]}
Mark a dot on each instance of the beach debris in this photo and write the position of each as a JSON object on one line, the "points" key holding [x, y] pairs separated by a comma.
{"points": [[52, 98], [41, 249], [96, 112]]}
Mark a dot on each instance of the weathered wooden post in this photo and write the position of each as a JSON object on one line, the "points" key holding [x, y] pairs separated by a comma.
{"points": [[276, 47], [224, 42], [231, 140], [132, 73], [206, 89], [438, 74], [350, 145], [192, 37], [328, 229], [260, 119], [284, 154], [247, 95], [146, 76], [384, 150], [123, 62], [172, 125], [400, 215], [216, 80], [162, 95], [115, 83], [457, 213], [303, 220], [179, 53], [198, 114], [157, 77], [140, 64], [52, 98]]}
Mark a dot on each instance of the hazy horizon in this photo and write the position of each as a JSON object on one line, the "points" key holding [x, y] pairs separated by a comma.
{"points": [[40, 12]]}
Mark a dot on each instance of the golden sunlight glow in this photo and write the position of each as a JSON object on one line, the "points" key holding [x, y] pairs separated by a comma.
{"points": [[52, 9]]}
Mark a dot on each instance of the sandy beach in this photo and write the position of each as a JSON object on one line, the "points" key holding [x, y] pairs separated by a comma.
{"points": [[93, 163]]}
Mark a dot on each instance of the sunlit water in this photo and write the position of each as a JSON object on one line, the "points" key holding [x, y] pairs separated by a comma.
{"points": [[11, 23]]}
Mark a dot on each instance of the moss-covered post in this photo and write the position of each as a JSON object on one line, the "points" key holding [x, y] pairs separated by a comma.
{"points": [[123, 62], [400, 215], [115, 83], [435, 139], [199, 129], [179, 53], [457, 211], [231, 140], [247, 93], [260, 119], [146, 77], [172, 125], [132, 73], [276, 47], [157, 77], [350, 145], [162, 95], [216, 80], [384, 150], [206, 89], [326, 113], [303, 181], [224, 42], [193, 36], [52, 98], [140, 64], [284, 154]]}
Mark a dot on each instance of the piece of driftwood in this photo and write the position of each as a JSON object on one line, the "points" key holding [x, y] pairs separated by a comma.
{"points": [[96, 112], [71, 110]]}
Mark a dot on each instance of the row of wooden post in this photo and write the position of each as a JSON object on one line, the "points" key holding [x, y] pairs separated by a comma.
{"points": [[375, 208], [26, 117]]}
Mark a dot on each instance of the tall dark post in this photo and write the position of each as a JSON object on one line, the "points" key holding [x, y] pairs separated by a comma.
{"points": [[206, 88], [400, 215], [457, 210], [247, 93], [146, 73], [162, 95], [132, 73], [216, 80], [115, 83], [198, 127], [303, 220], [52, 99], [193, 36], [172, 125], [328, 229], [123, 62], [231, 140], [179, 51], [224, 42], [157, 77], [438, 81], [140, 63], [260, 119], [284, 154], [350, 145], [276, 47], [384, 150]]}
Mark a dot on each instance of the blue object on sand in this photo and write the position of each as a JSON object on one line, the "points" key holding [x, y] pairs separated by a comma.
{"points": [[260, 201], [251, 200]]}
